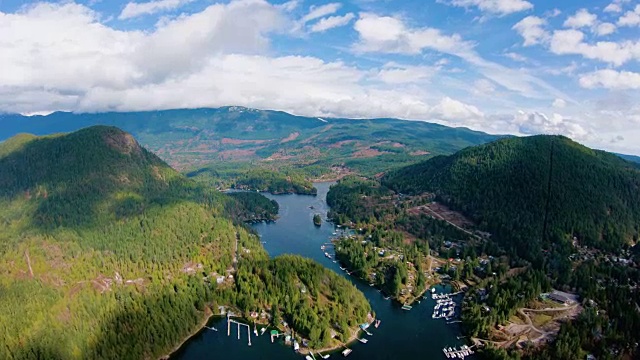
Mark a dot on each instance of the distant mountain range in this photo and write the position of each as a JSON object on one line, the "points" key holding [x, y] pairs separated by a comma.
{"points": [[194, 138]]}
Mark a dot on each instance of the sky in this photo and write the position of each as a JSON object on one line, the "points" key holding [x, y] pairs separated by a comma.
{"points": [[523, 67]]}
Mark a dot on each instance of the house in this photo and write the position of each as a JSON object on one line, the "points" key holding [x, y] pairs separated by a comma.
{"points": [[561, 297]]}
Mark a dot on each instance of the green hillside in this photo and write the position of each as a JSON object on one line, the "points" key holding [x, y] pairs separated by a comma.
{"points": [[107, 252], [536, 192]]}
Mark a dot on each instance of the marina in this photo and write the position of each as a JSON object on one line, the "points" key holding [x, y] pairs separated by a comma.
{"points": [[454, 353], [294, 233]]}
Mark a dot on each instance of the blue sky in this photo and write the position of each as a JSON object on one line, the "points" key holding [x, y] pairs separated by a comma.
{"points": [[502, 66]]}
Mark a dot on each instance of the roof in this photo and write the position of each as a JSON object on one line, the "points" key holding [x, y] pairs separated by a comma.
{"points": [[560, 296]]}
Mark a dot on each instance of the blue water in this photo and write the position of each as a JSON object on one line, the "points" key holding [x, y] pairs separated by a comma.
{"points": [[402, 334]]}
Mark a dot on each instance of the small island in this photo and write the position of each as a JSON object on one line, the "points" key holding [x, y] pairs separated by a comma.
{"points": [[317, 220]]}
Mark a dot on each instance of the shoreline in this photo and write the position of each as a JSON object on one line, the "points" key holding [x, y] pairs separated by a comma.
{"points": [[354, 337], [208, 315]]}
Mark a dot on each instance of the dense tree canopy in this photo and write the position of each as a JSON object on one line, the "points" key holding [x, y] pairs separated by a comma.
{"points": [[107, 252]]}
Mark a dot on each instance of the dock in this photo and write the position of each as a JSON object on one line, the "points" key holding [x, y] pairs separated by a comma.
{"points": [[453, 353], [230, 321]]}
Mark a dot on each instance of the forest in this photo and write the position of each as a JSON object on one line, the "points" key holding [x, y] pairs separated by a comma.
{"points": [[541, 198], [535, 193], [106, 252]]}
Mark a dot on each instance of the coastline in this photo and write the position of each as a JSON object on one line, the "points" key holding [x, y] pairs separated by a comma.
{"points": [[208, 315], [353, 338]]}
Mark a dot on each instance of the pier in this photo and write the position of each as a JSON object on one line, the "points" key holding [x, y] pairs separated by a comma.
{"points": [[229, 321], [461, 353]]}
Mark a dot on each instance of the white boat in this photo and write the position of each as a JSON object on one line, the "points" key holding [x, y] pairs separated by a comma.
{"points": [[346, 352], [364, 341], [308, 357], [262, 331], [211, 328], [296, 346]]}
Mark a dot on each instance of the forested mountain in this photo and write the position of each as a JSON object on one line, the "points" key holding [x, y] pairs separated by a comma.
{"points": [[191, 139], [536, 192], [107, 252]]}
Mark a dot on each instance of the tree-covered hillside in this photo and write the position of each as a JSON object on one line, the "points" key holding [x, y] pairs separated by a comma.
{"points": [[107, 252], [536, 192]]}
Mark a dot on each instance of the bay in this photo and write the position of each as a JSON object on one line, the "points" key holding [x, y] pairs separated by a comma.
{"points": [[402, 334]]}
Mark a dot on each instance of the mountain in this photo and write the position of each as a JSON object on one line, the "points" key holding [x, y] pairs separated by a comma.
{"points": [[191, 139], [535, 193], [107, 252], [632, 158]]}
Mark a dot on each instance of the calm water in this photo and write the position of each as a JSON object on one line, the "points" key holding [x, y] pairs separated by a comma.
{"points": [[402, 334]]}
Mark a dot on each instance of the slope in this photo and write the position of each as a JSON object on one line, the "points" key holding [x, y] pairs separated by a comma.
{"points": [[536, 192], [107, 252]]}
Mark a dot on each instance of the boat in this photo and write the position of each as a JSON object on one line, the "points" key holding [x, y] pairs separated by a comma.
{"points": [[262, 331], [377, 323], [324, 356], [346, 352], [255, 330], [343, 268], [407, 307], [308, 357], [364, 341], [433, 290], [211, 328], [296, 346]]}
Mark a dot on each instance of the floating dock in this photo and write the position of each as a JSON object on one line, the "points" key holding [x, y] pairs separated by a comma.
{"points": [[453, 353]]}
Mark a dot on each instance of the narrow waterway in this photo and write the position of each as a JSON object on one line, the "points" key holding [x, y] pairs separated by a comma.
{"points": [[402, 334]]}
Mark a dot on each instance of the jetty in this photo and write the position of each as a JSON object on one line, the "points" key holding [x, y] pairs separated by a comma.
{"points": [[230, 321]]}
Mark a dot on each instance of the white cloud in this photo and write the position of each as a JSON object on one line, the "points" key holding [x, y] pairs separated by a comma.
{"points": [[133, 9], [630, 18], [552, 13], [387, 34], [604, 29], [393, 73], [582, 18], [530, 123], [483, 87], [331, 22], [390, 35], [611, 79], [565, 42], [559, 103], [499, 7], [532, 30], [454, 110], [320, 11], [615, 6], [516, 57]]}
